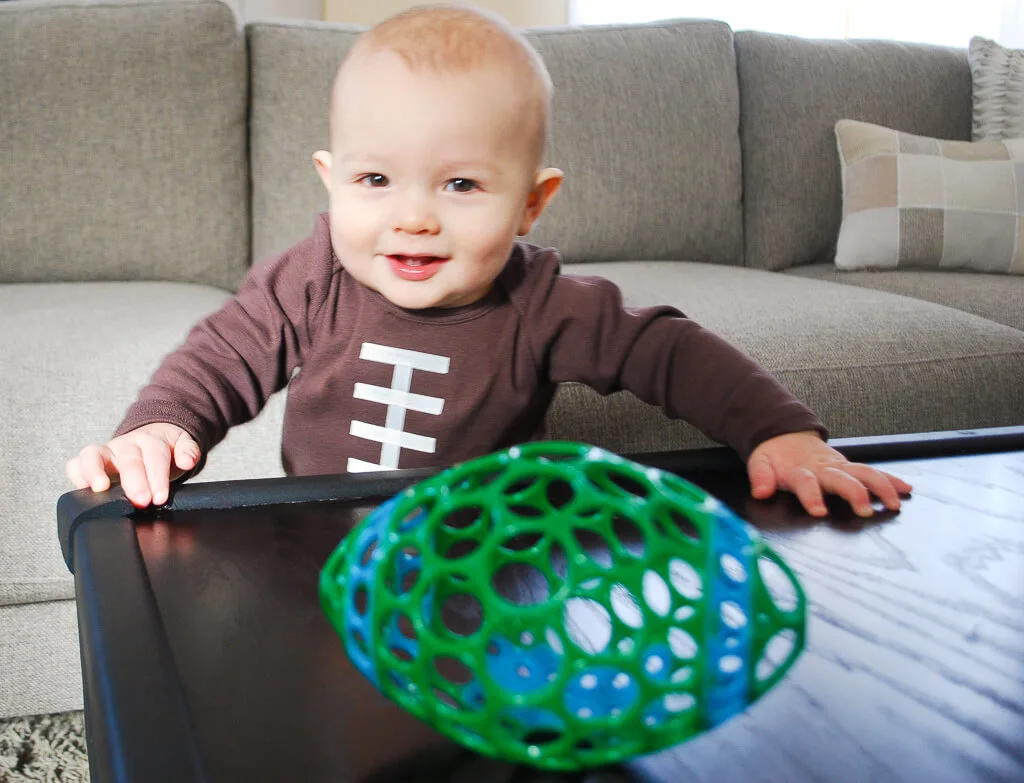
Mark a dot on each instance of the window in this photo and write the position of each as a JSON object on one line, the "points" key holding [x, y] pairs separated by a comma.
{"points": [[922, 21]]}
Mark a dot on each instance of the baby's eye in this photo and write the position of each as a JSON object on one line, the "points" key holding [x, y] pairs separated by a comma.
{"points": [[461, 185], [374, 180]]}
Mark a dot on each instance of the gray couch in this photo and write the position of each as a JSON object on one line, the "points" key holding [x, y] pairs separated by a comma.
{"points": [[150, 151]]}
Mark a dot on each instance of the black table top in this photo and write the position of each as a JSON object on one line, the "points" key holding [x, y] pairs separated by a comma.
{"points": [[206, 655]]}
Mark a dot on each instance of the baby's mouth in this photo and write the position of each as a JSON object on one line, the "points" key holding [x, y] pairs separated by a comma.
{"points": [[418, 267]]}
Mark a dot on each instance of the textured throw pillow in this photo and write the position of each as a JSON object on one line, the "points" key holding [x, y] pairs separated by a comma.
{"points": [[918, 202], [997, 90]]}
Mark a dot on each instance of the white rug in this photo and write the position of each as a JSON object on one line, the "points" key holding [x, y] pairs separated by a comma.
{"points": [[48, 748]]}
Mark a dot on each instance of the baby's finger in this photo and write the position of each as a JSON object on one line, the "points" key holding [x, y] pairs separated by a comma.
{"points": [[762, 477], [134, 481], [186, 452], [94, 462], [882, 485], [156, 458], [73, 470], [804, 484], [841, 482]]}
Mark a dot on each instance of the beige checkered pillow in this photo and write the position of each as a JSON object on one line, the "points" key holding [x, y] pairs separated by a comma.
{"points": [[917, 202]]}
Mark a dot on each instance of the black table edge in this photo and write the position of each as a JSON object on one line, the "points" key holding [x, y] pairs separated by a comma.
{"points": [[78, 506], [137, 684]]}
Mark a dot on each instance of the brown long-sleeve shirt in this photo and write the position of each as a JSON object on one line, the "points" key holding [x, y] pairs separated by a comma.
{"points": [[381, 387]]}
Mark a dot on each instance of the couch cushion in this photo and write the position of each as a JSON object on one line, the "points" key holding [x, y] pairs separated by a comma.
{"points": [[70, 372], [125, 124], [793, 91], [867, 362], [645, 125], [40, 661], [995, 297], [997, 82], [916, 201]]}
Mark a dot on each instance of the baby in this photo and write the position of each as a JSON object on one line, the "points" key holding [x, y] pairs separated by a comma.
{"points": [[423, 332]]}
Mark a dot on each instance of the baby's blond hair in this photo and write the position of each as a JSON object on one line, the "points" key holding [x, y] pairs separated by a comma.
{"points": [[449, 38]]}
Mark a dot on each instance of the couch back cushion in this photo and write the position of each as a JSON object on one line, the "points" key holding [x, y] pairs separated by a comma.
{"points": [[792, 92], [645, 124], [123, 139]]}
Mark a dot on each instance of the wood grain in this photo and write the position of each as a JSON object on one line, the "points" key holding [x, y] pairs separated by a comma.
{"points": [[914, 669]]}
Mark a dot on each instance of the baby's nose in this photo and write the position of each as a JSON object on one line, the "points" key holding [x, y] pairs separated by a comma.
{"points": [[416, 215]]}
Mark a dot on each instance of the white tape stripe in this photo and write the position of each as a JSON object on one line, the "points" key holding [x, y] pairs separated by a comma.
{"points": [[384, 354], [414, 402], [405, 440], [358, 466]]}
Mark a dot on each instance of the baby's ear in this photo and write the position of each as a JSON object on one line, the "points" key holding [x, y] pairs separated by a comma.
{"points": [[545, 186], [322, 162]]}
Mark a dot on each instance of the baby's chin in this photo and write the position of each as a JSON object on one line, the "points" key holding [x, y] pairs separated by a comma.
{"points": [[415, 296]]}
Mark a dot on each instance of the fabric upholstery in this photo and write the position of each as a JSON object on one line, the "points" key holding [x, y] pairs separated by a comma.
{"points": [[793, 91], [995, 297], [867, 362], [65, 385], [915, 201], [40, 666], [123, 128], [997, 79], [645, 125]]}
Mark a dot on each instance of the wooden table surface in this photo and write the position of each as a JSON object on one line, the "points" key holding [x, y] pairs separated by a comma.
{"points": [[914, 667]]}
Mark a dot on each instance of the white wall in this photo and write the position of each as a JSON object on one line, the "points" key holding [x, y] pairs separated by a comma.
{"points": [[278, 9], [522, 13]]}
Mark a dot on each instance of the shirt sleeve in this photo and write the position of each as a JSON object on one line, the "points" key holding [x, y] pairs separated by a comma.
{"points": [[582, 332], [236, 358]]}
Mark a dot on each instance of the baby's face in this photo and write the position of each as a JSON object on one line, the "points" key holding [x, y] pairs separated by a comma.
{"points": [[430, 179]]}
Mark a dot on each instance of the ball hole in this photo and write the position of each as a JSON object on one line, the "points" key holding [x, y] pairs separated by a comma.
{"points": [[626, 607], [629, 535], [542, 737], [656, 594], [685, 579], [733, 569], [409, 579], [447, 699], [559, 561], [527, 511], [414, 517], [780, 587], [521, 584], [360, 641], [778, 650], [675, 520], [461, 548], [594, 545], [521, 487], [559, 493], [588, 625], [628, 484], [361, 599], [453, 670], [679, 702], [405, 627], [463, 518], [400, 653], [368, 551], [462, 614], [521, 542], [682, 644], [733, 615]]}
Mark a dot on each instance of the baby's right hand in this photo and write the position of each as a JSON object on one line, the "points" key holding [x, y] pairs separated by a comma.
{"points": [[145, 459]]}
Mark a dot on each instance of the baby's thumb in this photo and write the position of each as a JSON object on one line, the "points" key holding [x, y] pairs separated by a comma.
{"points": [[186, 453]]}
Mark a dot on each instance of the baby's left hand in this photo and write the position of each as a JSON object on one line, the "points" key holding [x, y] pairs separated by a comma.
{"points": [[807, 466]]}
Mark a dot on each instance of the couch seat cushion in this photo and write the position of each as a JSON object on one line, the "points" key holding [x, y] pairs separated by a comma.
{"points": [[74, 355], [867, 362], [999, 298]]}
